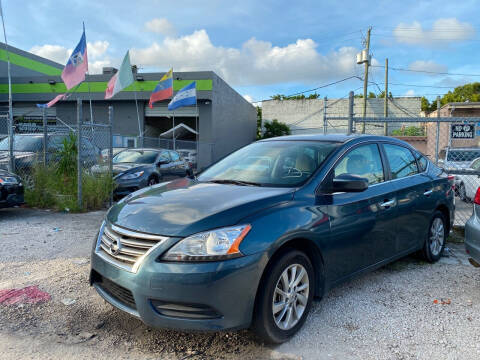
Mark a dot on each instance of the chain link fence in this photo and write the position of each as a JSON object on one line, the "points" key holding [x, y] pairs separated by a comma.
{"points": [[449, 142], [44, 141]]}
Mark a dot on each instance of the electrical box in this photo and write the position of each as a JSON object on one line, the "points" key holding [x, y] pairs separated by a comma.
{"points": [[363, 57]]}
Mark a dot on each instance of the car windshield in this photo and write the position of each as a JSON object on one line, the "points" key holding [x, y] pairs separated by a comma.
{"points": [[136, 156], [463, 155], [23, 143], [270, 163]]}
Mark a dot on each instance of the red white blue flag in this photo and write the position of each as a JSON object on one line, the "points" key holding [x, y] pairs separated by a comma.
{"points": [[53, 102], [77, 64]]}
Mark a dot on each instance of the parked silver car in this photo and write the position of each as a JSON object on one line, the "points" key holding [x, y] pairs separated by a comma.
{"points": [[472, 231]]}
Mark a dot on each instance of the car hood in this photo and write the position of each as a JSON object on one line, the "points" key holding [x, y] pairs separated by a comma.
{"points": [[17, 154], [6, 173], [124, 167], [184, 206]]}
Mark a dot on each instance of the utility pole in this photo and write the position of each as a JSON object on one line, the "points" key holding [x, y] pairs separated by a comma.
{"points": [[385, 108], [11, 164], [365, 80]]}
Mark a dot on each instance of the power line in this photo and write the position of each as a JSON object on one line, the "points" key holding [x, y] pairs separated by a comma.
{"points": [[425, 71], [310, 90]]}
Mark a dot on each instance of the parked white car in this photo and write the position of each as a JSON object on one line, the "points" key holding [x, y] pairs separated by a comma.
{"points": [[190, 156], [468, 184]]}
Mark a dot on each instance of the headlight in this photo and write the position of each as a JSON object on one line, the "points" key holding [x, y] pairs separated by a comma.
{"points": [[8, 180], [212, 245], [133, 175]]}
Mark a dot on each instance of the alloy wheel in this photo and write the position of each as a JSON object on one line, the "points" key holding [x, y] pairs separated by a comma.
{"points": [[437, 236], [290, 296]]}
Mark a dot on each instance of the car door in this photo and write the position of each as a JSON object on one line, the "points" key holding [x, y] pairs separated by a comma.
{"points": [[165, 165], [362, 224], [472, 182], [179, 168], [414, 190]]}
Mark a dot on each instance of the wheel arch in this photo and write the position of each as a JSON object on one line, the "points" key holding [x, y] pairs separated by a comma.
{"points": [[311, 250], [446, 213]]}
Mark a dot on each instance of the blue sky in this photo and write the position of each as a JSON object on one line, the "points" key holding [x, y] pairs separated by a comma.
{"points": [[264, 47]]}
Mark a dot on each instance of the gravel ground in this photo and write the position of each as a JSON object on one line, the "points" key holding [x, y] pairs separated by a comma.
{"points": [[388, 314]]}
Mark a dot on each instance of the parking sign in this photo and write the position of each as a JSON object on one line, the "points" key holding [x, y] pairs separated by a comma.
{"points": [[463, 131]]}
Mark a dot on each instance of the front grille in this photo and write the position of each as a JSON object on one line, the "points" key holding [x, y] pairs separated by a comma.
{"points": [[116, 291], [126, 248]]}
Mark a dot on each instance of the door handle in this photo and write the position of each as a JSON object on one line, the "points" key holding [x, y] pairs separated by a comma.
{"points": [[428, 192], [387, 204]]}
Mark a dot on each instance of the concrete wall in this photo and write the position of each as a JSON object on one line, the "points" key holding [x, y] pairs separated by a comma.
{"points": [[124, 115], [234, 120], [306, 116]]}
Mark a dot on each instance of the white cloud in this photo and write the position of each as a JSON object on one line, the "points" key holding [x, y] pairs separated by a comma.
{"points": [[56, 53], [447, 30], [160, 26], [428, 65], [97, 48], [410, 92], [248, 98], [96, 67], [255, 62], [60, 54]]}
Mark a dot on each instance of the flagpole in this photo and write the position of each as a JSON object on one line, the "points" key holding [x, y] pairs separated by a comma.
{"points": [[10, 106], [88, 82], [197, 121], [173, 129], [140, 133]]}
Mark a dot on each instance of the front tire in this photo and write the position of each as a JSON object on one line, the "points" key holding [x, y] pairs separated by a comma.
{"points": [[437, 235], [284, 297]]}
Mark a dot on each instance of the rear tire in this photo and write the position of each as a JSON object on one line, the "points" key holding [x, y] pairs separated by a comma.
{"points": [[437, 236], [284, 297]]}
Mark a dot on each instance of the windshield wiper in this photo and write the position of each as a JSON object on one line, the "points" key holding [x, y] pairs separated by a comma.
{"points": [[235, 182]]}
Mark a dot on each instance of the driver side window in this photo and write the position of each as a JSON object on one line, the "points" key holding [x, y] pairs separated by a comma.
{"points": [[164, 157], [364, 161]]}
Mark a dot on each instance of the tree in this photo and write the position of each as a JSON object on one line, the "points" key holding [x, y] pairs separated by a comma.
{"points": [[294, 97], [275, 128], [259, 122], [467, 92]]}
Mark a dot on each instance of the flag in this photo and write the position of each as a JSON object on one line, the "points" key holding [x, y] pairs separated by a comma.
{"points": [[52, 102], [163, 90], [77, 64], [186, 96], [121, 79]]}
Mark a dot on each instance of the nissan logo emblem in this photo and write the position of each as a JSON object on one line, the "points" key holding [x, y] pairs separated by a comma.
{"points": [[115, 247]]}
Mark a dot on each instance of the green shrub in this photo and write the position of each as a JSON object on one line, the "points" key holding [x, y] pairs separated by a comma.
{"points": [[409, 131], [55, 186], [275, 128]]}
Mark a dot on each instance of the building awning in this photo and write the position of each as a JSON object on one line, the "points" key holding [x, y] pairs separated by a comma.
{"points": [[181, 131]]}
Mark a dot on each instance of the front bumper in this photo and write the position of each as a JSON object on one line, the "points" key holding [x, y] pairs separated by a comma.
{"points": [[125, 187], [11, 195], [192, 296]]}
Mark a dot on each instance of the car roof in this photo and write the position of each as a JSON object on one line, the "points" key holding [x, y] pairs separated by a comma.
{"points": [[340, 138]]}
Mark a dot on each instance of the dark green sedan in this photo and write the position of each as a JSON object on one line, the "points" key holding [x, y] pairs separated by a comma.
{"points": [[254, 238]]}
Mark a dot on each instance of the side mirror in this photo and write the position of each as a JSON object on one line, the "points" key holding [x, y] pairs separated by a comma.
{"points": [[162, 162], [349, 183]]}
